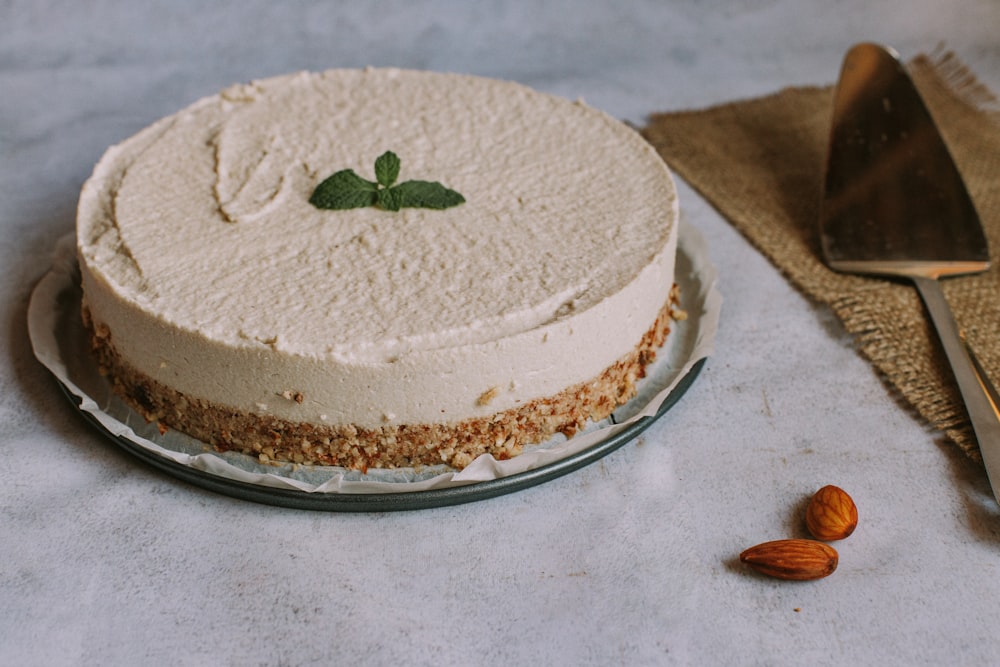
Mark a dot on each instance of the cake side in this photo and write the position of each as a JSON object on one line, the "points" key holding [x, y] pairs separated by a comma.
{"points": [[502, 435], [432, 386]]}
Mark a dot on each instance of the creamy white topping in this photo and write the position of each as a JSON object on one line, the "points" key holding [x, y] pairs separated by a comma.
{"points": [[215, 275]]}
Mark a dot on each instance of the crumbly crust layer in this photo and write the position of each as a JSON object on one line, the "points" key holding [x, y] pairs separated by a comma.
{"points": [[456, 444]]}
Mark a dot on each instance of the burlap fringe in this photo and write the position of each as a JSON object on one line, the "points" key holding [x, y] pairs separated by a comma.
{"points": [[960, 80]]}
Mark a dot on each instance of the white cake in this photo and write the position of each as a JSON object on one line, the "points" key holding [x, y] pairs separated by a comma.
{"points": [[224, 304]]}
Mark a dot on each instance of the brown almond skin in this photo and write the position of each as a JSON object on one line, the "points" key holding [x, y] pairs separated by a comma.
{"points": [[831, 514], [792, 559]]}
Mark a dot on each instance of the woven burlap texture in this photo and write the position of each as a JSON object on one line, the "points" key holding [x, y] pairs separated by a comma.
{"points": [[760, 163]]}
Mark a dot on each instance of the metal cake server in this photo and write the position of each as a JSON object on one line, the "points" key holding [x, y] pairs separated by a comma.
{"points": [[894, 204]]}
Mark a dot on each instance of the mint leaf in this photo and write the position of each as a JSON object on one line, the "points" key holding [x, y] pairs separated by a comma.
{"points": [[387, 169], [427, 194], [390, 199], [344, 190]]}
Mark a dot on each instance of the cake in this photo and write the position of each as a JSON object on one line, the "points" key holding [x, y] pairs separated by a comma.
{"points": [[222, 301]]}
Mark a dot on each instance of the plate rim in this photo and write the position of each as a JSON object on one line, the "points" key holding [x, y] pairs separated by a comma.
{"points": [[392, 501]]}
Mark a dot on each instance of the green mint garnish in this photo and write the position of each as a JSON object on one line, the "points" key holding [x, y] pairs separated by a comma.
{"points": [[386, 169], [345, 189]]}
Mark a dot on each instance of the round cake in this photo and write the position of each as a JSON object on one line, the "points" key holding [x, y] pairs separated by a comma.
{"points": [[378, 268]]}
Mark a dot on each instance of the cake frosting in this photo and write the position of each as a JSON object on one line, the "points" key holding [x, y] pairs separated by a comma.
{"points": [[212, 284]]}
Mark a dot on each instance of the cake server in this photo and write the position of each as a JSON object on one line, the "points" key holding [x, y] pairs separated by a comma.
{"points": [[894, 205]]}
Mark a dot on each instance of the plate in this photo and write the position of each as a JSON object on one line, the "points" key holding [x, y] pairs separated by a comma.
{"points": [[387, 502], [59, 342]]}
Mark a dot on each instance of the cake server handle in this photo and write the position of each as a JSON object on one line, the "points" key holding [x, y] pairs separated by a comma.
{"points": [[974, 386]]}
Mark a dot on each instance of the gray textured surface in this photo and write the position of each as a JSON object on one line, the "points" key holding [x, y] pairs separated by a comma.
{"points": [[629, 561]]}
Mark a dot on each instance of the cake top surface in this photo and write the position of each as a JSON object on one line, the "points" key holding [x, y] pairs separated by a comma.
{"points": [[204, 218]]}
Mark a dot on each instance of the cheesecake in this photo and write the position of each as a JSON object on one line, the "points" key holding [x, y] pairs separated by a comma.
{"points": [[231, 294]]}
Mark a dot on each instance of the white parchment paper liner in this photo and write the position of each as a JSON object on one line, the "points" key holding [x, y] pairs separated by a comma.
{"points": [[59, 342]]}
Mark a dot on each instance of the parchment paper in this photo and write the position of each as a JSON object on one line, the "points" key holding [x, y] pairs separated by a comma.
{"points": [[59, 342]]}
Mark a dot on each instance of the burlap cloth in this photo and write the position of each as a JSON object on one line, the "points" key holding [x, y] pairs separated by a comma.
{"points": [[760, 164]]}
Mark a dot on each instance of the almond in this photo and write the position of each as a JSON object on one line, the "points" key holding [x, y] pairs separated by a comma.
{"points": [[831, 514], [795, 559]]}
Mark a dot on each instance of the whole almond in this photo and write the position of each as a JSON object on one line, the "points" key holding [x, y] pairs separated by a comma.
{"points": [[831, 514], [795, 559]]}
